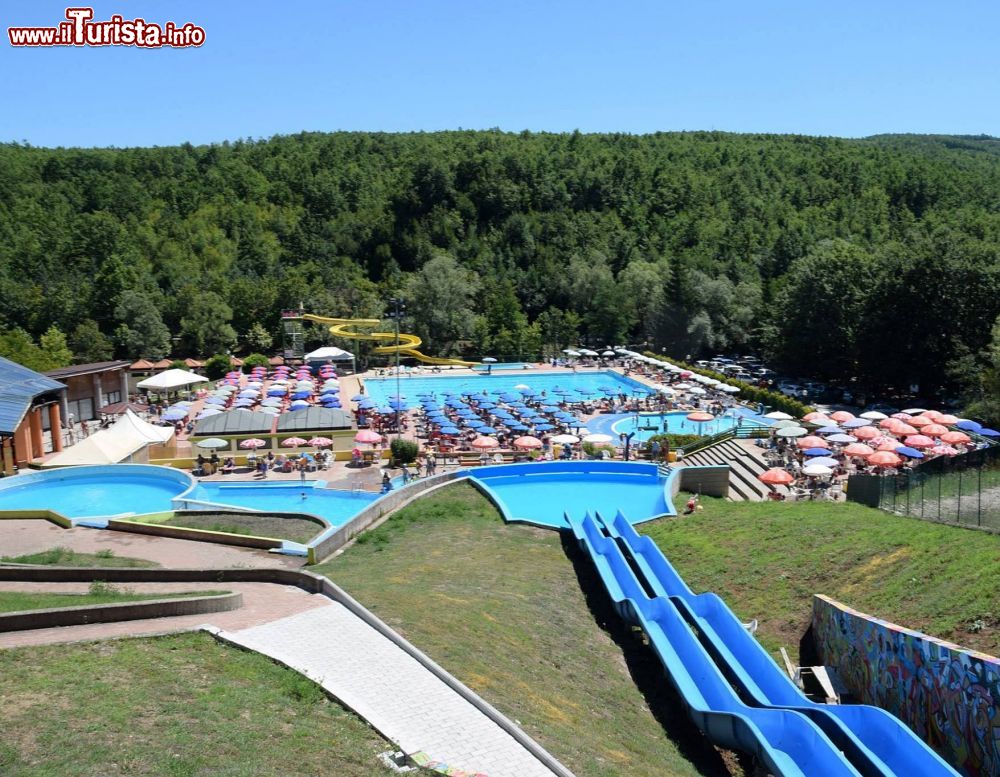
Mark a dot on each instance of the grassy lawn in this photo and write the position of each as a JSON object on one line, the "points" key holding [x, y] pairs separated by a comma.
{"points": [[293, 529], [505, 610], [15, 601], [766, 561], [178, 705], [64, 557]]}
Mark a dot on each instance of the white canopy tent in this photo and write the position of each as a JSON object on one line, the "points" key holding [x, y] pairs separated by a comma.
{"points": [[171, 380], [329, 353], [126, 437]]}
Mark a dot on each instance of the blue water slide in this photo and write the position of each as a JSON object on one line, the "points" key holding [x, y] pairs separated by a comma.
{"points": [[787, 742], [877, 741]]}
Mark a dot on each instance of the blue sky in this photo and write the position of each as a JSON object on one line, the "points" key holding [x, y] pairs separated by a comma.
{"points": [[847, 69]]}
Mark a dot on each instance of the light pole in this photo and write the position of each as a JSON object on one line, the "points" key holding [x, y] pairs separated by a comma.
{"points": [[397, 308]]}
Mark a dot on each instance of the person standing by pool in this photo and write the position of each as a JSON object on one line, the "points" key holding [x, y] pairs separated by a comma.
{"points": [[301, 467], [386, 483]]}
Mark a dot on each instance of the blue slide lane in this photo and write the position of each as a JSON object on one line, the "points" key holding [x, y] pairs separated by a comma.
{"points": [[785, 741], [876, 742]]}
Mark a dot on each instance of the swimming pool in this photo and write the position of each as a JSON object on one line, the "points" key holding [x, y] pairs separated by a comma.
{"points": [[381, 389], [334, 505], [542, 493], [504, 366], [645, 425], [81, 492]]}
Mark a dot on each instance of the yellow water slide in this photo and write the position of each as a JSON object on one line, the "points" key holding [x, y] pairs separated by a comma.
{"points": [[408, 344]]}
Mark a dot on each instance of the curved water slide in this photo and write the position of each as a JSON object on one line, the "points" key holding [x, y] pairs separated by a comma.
{"points": [[785, 741], [875, 740], [408, 344]]}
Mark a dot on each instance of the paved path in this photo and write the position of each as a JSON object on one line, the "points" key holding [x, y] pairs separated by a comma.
{"points": [[262, 602], [20, 537], [391, 690]]}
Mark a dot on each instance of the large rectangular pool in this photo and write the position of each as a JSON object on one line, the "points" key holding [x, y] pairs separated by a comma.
{"points": [[381, 389]]}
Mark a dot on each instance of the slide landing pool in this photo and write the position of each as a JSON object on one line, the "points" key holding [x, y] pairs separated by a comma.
{"points": [[544, 493]]}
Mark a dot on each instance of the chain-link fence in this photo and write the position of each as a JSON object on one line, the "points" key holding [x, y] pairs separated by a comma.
{"points": [[963, 489]]}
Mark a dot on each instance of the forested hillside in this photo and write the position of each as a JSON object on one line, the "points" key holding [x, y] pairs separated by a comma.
{"points": [[875, 258]]}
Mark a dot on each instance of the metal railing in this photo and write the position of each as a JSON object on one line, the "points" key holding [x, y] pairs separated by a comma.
{"points": [[962, 490]]}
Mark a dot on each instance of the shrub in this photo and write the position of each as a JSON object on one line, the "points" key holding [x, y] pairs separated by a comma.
{"points": [[593, 451], [256, 360], [178, 364], [674, 441], [217, 366], [404, 451]]}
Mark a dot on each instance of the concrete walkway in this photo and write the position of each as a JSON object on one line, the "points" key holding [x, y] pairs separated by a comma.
{"points": [[391, 690]]}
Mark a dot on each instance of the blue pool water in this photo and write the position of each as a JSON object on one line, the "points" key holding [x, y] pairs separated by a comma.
{"points": [[381, 389], [504, 366], [94, 491], [674, 423], [543, 493], [336, 506]]}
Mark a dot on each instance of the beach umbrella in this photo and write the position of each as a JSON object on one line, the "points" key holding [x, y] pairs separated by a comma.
{"points": [[874, 415], [989, 432], [272, 402], [367, 435], [920, 420], [785, 424], [485, 443], [489, 360], [486, 430], [543, 427], [527, 442], [817, 470], [175, 415], [697, 390], [565, 439], [327, 390], [828, 430], [700, 417], [866, 433], [213, 401], [888, 423], [276, 392], [239, 403], [253, 442], [811, 441], [935, 430], [367, 403], [816, 452], [522, 387], [293, 442], [597, 439], [842, 438], [549, 409], [855, 423], [842, 416], [358, 397], [859, 449], [824, 461], [791, 431], [608, 353], [944, 450], [812, 415], [213, 443], [298, 404], [449, 430], [901, 430], [208, 412], [969, 426], [901, 416], [956, 438], [906, 450], [915, 410], [776, 477], [320, 442], [919, 441], [820, 420], [946, 419], [517, 427], [889, 445], [777, 415]]}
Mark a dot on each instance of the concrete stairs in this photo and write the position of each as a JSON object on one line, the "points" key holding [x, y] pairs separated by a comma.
{"points": [[744, 467]]}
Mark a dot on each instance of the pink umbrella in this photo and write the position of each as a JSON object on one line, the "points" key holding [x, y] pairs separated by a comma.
{"points": [[921, 420], [814, 414], [955, 438], [884, 459], [888, 423], [320, 442], [934, 415], [919, 441], [944, 450], [901, 416], [776, 477], [293, 442], [935, 430], [859, 449], [842, 416], [901, 429], [947, 420], [367, 435], [527, 442], [866, 433], [811, 441], [700, 417], [253, 442], [889, 445], [484, 443]]}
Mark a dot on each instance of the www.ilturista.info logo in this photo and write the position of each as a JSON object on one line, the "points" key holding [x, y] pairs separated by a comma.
{"points": [[79, 29]]}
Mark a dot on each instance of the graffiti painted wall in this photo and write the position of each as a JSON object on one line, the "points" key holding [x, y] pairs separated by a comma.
{"points": [[948, 695]]}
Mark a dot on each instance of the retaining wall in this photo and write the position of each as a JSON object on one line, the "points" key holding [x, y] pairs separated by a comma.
{"points": [[949, 695]]}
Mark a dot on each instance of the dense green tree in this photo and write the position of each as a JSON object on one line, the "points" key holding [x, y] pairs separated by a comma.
{"points": [[141, 333], [53, 345], [89, 344], [217, 366], [258, 338], [205, 326], [441, 299]]}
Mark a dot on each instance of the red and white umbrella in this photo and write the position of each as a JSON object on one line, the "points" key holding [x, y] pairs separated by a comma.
{"points": [[253, 442], [859, 449], [947, 419], [866, 433], [920, 420], [944, 450], [776, 477], [485, 443], [902, 430], [919, 441], [935, 430], [889, 445], [367, 435], [955, 438], [293, 442], [842, 416], [527, 442], [320, 442], [811, 441], [700, 417], [884, 459]]}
